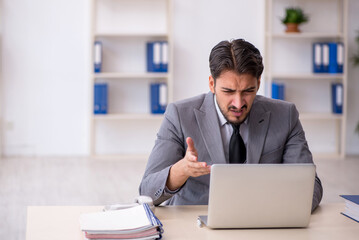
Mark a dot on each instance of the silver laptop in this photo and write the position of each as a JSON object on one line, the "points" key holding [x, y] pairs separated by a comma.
{"points": [[260, 195]]}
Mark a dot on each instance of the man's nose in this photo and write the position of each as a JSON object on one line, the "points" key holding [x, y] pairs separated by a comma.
{"points": [[237, 100]]}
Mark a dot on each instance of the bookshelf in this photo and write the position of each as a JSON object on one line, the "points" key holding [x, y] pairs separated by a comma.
{"points": [[288, 60], [124, 27]]}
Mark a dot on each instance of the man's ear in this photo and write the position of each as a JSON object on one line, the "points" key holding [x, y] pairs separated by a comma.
{"points": [[211, 84]]}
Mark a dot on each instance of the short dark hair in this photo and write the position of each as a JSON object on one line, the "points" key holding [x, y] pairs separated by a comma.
{"points": [[237, 55]]}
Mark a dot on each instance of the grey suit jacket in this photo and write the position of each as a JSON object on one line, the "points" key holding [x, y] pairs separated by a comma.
{"points": [[275, 136]]}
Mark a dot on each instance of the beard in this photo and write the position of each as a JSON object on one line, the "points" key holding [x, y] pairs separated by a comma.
{"points": [[238, 121]]}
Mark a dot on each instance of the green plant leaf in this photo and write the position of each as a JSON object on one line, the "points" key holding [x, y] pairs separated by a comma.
{"points": [[294, 15]]}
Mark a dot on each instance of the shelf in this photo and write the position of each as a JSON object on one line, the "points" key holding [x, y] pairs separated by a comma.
{"points": [[128, 116], [308, 76], [132, 35], [130, 75], [289, 60], [320, 116], [305, 35], [124, 29]]}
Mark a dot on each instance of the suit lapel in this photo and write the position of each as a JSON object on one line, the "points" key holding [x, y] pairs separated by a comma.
{"points": [[208, 124], [258, 128]]}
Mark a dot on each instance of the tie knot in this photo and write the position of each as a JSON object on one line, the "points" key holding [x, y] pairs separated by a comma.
{"points": [[236, 128]]}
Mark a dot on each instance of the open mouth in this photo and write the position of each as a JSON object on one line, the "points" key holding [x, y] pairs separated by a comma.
{"points": [[237, 112]]}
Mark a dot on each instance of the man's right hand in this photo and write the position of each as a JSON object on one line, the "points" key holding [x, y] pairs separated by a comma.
{"points": [[186, 167]]}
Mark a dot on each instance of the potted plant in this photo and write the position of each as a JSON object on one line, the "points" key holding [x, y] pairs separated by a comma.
{"points": [[293, 17]]}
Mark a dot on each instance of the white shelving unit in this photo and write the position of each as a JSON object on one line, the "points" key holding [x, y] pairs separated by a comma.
{"points": [[124, 27], [288, 59]]}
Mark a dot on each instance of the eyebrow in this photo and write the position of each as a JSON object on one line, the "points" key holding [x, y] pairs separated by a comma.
{"points": [[227, 89], [244, 90], [249, 89]]}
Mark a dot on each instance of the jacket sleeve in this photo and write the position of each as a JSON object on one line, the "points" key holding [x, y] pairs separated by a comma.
{"points": [[297, 151], [169, 148]]}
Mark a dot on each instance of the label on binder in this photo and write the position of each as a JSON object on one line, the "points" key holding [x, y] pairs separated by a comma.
{"points": [[340, 54], [337, 98], [97, 56], [317, 58], [325, 57], [339, 95], [164, 53], [317, 54], [157, 53], [98, 51], [163, 95]]}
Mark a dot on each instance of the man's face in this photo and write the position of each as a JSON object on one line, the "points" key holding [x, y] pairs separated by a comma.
{"points": [[235, 94]]}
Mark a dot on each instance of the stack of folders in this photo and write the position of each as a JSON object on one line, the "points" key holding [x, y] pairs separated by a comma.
{"points": [[351, 206], [137, 222], [157, 56], [328, 57]]}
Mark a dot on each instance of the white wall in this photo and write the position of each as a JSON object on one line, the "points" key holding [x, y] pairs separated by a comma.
{"points": [[45, 60], [45, 87], [198, 26]]}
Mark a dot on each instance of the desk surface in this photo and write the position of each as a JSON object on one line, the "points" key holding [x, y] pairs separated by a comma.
{"points": [[180, 222]]}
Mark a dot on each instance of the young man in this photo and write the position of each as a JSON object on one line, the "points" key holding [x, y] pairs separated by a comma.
{"points": [[230, 124]]}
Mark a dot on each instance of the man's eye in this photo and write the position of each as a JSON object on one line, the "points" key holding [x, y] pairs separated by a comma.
{"points": [[250, 90]]}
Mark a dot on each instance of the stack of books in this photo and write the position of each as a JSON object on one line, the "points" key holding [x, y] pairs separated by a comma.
{"points": [[137, 222], [351, 206]]}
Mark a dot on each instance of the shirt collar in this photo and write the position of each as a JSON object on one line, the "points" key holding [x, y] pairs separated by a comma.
{"points": [[222, 119]]}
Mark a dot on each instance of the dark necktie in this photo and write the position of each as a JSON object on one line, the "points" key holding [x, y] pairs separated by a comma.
{"points": [[237, 149]]}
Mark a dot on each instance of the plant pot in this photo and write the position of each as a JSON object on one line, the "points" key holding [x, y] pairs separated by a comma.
{"points": [[292, 28]]}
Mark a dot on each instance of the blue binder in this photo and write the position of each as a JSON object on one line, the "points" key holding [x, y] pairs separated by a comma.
{"points": [[278, 91], [97, 56], [336, 57], [100, 98], [158, 98], [337, 98], [157, 56], [317, 58]]}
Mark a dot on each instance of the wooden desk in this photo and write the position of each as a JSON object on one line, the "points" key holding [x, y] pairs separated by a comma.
{"points": [[180, 222]]}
